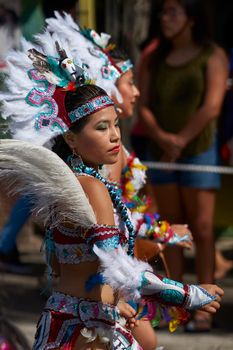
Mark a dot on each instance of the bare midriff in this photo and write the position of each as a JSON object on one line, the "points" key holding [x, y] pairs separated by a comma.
{"points": [[73, 278]]}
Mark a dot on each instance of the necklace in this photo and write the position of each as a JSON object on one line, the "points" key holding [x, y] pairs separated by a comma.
{"points": [[77, 165]]}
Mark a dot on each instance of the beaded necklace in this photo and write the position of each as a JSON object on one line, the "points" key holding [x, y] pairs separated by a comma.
{"points": [[77, 165]]}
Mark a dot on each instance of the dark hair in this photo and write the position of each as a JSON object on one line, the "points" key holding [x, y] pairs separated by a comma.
{"points": [[73, 100], [119, 55], [198, 12]]}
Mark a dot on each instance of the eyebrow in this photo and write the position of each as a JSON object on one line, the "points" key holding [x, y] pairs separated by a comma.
{"points": [[106, 120]]}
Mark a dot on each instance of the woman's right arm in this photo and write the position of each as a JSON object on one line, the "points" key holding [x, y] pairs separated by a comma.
{"points": [[119, 267]]}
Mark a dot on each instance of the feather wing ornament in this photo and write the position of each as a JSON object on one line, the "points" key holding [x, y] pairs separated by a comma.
{"points": [[53, 188]]}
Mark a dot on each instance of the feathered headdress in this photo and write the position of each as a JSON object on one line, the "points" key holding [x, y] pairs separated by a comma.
{"points": [[39, 79], [93, 49]]}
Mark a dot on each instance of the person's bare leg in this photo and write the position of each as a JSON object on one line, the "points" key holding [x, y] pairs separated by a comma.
{"points": [[199, 207], [145, 335], [170, 208], [222, 265]]}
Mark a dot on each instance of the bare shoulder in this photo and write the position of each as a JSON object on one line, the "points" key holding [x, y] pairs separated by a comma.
{"points": [[218, 57], [99, 199]]}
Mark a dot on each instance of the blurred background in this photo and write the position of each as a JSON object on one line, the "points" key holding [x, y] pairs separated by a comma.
{"points": [[132, 24]]}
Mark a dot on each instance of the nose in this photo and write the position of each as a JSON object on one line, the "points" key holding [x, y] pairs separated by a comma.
{"points": [[136, 91], [115, 134]]}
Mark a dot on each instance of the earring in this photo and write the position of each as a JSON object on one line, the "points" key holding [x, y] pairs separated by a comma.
{"points": [[119, 110], [75, 160]]}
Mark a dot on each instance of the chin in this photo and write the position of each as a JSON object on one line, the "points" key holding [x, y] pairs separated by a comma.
{"points": [[167, 34], [112, 160], [127, 114]]}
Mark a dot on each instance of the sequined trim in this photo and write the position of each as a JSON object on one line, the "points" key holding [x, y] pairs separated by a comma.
{"points": [[74, 246], [90, 313], [66, 316], [90, 107]]}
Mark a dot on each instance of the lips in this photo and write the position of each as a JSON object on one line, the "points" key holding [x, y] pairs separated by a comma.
{"points": [[115, 149]]}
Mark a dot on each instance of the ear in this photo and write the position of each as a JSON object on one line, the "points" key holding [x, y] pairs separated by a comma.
{"points": [[70, 139]]}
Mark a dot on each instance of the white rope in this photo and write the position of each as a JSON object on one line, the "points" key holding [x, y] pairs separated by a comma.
{"points": [[190, 167]]}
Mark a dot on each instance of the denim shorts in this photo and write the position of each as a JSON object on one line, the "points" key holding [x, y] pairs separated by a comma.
{"points": [[199, 180]]}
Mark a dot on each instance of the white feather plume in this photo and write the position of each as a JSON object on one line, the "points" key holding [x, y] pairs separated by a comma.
{"points": [[40, 173], [122, 272], [69, 32]]}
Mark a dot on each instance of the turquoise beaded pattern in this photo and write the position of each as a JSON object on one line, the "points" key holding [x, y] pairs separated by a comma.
{"points": [[115, 197]]}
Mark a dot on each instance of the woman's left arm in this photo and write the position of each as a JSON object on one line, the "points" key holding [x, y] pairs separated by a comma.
{"points": [[216, 84]]}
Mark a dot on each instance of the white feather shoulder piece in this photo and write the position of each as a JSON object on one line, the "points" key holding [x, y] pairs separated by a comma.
{"points": [[53, 187], [122, 272]]}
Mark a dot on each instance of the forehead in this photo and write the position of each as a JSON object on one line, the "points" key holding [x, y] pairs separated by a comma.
{"points": [[105, 114], [126, 76]]}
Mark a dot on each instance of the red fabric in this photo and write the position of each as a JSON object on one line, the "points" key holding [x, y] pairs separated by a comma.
{"points": [[57, 321], [59, 96]]}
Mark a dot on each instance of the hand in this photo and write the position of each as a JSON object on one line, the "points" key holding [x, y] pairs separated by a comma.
{"points": [[184, 234], [171, 144], [129, 313], [214, 305]]}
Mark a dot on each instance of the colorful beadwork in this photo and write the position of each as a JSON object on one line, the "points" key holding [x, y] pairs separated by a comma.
{"points": [[40, 96], [115, 195], [108, 71], [73, 246], [125, 66], [102, 43], [90, 107], [66, 317]]}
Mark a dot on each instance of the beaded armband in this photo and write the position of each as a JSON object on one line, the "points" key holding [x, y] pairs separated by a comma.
{"points": [[167, 292], [105, 237]]}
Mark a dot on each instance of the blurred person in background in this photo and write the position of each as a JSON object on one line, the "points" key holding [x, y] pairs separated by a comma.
{"points": [[179, 106]]}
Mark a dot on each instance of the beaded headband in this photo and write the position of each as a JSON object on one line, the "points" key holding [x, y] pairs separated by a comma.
{"points": [[90, 107], [125, 66]]}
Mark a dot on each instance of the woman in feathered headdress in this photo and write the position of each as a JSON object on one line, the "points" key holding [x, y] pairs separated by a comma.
{"points": [[55, 99], [129, 171]]}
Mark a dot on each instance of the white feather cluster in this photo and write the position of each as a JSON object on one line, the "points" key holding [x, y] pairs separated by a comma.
{"points": [[68, 31], [40, 173], [22, 115], [122, 272]]}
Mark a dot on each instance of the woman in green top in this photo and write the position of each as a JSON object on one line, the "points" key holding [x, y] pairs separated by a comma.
{"points": [[184, 85]]}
